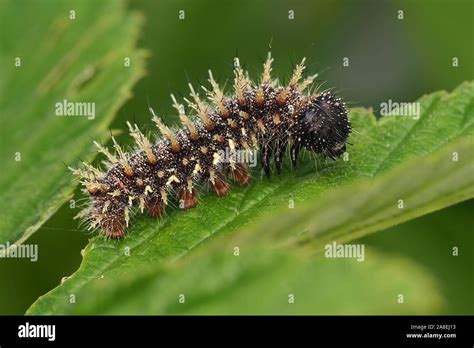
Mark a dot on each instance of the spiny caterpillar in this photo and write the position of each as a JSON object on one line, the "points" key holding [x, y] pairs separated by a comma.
{"points": [[264, 117]]}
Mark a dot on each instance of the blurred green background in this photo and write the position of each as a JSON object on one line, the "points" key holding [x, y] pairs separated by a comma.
{"points": [[389, 58]]}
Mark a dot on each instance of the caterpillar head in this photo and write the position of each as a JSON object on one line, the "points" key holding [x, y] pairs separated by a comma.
{"points": [[324, 126]]}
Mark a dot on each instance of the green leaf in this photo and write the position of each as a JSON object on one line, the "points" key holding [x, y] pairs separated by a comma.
{"points": [[413, 189], [394, 158], [75, 56], [258, 281]]}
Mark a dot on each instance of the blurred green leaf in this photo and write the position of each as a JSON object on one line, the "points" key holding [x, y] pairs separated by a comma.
{"points": [[395, 158], [440, 242], [50, 54], [258, 281]]}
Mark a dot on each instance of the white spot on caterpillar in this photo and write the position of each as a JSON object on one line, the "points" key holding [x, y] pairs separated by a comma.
{"points": [[212, 176], [190, 185], [172, 179], [216, 158], [148, 189], [164, 196], [115, 193], [106, 206], [127, 216], [197, 169]]}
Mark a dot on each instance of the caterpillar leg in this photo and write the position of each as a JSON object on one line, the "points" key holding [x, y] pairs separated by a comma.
{"points": [[155, 207], [187, 199], [266, 155], [220, 186], [294, 151], [113, 227], [240, 174], [279, 151]]}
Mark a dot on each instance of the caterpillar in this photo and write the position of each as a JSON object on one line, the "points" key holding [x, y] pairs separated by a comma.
{"points": [[263, 117]]}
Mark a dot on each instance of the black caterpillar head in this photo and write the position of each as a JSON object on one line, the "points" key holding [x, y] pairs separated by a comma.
{"points": [[324, 126]]}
